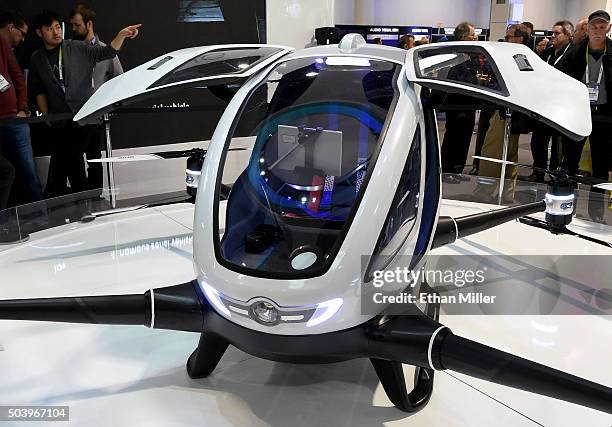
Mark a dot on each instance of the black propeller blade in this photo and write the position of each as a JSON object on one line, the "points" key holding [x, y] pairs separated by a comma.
{"points": [[162, 155]]}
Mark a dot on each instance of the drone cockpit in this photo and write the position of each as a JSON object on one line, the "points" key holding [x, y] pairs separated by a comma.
{"points": [[312, 129]]}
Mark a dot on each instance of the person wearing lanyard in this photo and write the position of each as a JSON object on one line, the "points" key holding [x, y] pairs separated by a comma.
{"points": [[590, 63], [60, 78], [542, 134]]}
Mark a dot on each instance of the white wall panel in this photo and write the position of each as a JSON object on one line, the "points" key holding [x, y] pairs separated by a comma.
{"points": [[365, 12], [429, 13], [500, 14], [544, 13], [483, 13], [292, 22], [577, 9], [344, 12]]}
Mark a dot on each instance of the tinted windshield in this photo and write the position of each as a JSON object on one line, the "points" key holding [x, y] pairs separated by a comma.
{"points": [[216, 62], [311, 131], [468, 65]]}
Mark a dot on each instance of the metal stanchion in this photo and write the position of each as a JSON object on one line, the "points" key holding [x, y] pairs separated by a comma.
{"points": [[109, 166], [502, 178]]}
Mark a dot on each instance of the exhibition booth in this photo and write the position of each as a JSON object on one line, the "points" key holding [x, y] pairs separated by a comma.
{"points": [[275, 242]]}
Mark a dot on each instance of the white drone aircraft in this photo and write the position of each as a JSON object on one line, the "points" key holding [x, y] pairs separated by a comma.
{"points": [[338, 157]]}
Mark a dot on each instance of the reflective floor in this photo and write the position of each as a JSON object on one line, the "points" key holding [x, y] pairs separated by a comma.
{"points": [[131, 376]]}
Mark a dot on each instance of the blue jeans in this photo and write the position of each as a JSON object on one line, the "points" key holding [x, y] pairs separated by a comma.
{"points": [[17, 148]]}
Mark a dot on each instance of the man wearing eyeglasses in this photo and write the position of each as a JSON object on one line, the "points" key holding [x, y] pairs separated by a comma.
{"points": [[13, 28], [591, 63], [543, 135], [61, 78], [15, 137]]}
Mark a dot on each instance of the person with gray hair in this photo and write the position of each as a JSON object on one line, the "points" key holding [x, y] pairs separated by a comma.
{"points": [[589, 62], [465, 32]]}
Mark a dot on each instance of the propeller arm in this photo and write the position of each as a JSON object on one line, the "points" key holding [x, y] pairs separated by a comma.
{"points": [[480, 361], [413, 339], [422, 341], [450, 229], [172, 308]]}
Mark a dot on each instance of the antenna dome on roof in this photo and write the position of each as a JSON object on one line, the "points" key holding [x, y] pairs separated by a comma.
{"points": [[351, 42]]}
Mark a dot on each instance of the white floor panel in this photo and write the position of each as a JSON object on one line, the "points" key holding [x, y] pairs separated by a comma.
{"points": [[114, 253], [132, 376], [181, 213], [579, 345], [129, 375]]}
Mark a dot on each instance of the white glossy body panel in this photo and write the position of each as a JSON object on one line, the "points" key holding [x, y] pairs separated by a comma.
{"points": [[545, 91], [343, 279], [138, 80]]}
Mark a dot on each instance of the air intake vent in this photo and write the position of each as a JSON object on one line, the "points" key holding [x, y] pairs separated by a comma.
{"points": [[523, 63]]}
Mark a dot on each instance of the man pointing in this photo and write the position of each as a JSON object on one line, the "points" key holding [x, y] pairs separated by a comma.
{"points": [[61, 79]]}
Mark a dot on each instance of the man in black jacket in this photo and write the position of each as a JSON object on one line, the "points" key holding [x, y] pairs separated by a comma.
{"points": [[591, 63], [459, 123], [542, 133], [61, 76]]}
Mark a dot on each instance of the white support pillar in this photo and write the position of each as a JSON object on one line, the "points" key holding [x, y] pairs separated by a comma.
{"points": [[502, 12]]}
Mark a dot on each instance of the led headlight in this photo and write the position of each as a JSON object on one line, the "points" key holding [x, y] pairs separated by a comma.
{"points": [[265, 313]]}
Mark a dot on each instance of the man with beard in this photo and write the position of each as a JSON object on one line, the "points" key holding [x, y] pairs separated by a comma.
{"points": [[83, 20]]}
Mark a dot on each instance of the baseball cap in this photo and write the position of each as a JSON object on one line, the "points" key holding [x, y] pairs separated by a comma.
{"points": [[599, 15]]}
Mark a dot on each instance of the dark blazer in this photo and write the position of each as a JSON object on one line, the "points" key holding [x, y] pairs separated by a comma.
{"points": [[79, 60], [574, 63], [549, 55]]}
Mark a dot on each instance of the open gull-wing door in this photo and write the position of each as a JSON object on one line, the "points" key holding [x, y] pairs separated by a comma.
{"points": [[206, 66], [506, 74]]}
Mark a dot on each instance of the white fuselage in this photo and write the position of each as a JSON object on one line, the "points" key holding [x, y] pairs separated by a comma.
{"points": [[344, 279]]}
